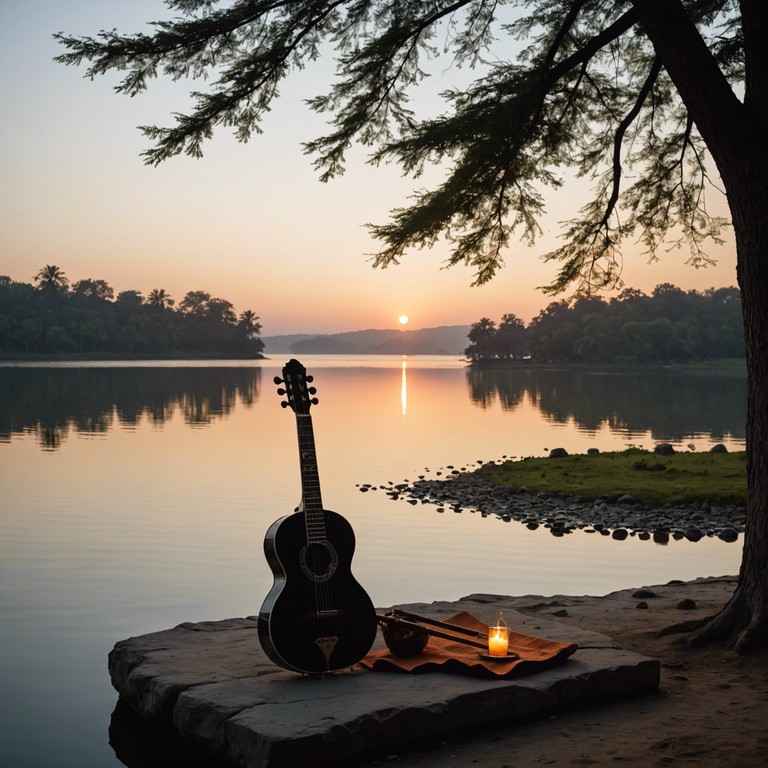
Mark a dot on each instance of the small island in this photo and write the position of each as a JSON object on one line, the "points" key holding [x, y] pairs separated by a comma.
{"points": [[658, 495]]}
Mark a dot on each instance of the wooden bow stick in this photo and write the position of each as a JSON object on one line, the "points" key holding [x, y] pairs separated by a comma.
{"points": [[411, 621]]}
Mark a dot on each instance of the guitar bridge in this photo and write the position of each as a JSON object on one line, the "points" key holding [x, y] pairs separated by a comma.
{"points": [[327, 614]]}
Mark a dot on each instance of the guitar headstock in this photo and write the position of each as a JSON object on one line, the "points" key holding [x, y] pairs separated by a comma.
{"points": [[299, 394]]}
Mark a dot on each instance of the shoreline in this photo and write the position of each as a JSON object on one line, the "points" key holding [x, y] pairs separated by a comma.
{"points": [[563, 513]]}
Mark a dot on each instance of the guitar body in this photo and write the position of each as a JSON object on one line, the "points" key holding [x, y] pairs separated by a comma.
{"points": [[316, 618]]}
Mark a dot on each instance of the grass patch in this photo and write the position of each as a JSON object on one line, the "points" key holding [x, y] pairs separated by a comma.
{"points": [[683, 478]]}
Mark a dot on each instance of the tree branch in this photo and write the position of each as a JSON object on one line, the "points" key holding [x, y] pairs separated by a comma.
{"points": [[608, 35], [619, 138]]}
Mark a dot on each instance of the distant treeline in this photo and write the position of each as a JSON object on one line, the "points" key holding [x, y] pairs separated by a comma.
{"points": [[670, 325], [52, 317]]}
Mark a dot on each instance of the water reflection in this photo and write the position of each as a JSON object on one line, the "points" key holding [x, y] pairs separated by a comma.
{"points": [[672, 404], [52, 402], [404, 391]]}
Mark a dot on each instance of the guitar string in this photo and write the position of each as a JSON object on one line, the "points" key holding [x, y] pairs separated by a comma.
{"points": [[313, 514]]}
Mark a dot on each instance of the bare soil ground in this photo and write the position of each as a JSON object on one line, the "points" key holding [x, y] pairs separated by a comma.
{"points": [[711, 708]]}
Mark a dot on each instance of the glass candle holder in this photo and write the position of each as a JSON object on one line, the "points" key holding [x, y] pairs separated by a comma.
{"points": [[498, 640]]}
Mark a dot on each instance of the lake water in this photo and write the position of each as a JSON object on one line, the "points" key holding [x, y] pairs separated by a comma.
{"points": [[134, 497]]}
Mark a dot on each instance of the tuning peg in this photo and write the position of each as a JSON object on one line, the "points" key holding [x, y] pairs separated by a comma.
{"points": [[277, 380], [312, 391], [281, 391], [310, 379], [284, 404], [314, 401]]}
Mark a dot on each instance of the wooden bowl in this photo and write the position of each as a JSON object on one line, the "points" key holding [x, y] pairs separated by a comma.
{"points": [[403, 641]]}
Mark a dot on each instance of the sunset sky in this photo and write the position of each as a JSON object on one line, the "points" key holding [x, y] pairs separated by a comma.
{"points": [[249, 223]]}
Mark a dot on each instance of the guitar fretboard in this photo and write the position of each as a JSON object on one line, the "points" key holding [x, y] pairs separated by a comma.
{"points": [[310, 480]]}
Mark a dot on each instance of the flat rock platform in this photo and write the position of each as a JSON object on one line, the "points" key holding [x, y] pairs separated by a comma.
{"points": [[211, 683]]}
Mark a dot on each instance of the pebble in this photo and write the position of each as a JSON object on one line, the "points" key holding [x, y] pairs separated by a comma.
{"points": [[562, 514]]}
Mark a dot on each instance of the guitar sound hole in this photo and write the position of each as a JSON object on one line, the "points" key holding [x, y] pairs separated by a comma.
{"points": [[318, 561]]}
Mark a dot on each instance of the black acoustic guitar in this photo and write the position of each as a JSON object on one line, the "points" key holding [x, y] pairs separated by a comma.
{"points": [[316, 618]]}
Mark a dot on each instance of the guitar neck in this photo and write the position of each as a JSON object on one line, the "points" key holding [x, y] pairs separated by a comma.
{"points": [[312, 501]]}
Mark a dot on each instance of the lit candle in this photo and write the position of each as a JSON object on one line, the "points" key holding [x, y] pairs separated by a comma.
{"points": [[498, 641]]}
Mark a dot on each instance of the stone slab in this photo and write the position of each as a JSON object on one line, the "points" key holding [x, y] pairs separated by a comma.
{"points": [[213, 685]]}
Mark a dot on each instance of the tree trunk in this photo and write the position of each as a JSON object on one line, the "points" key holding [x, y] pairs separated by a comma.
{"points": [[747, 612], [735, 135]]}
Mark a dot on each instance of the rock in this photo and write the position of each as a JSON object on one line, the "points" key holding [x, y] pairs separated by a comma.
{"points": [[566, 513], [687, 604], [593, 451], [211, 683], [644, 593], [558, 453], [719, 448], [642, 604], [620, 534], [664, 449]]}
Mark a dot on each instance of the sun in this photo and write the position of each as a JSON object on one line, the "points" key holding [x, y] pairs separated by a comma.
{"points": [[403, 319]]}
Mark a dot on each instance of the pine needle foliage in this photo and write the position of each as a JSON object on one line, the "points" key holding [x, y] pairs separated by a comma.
{"points": [[562, 87]]}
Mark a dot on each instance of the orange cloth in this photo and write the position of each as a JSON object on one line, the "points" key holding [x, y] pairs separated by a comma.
{"points": [[534, 654]]}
